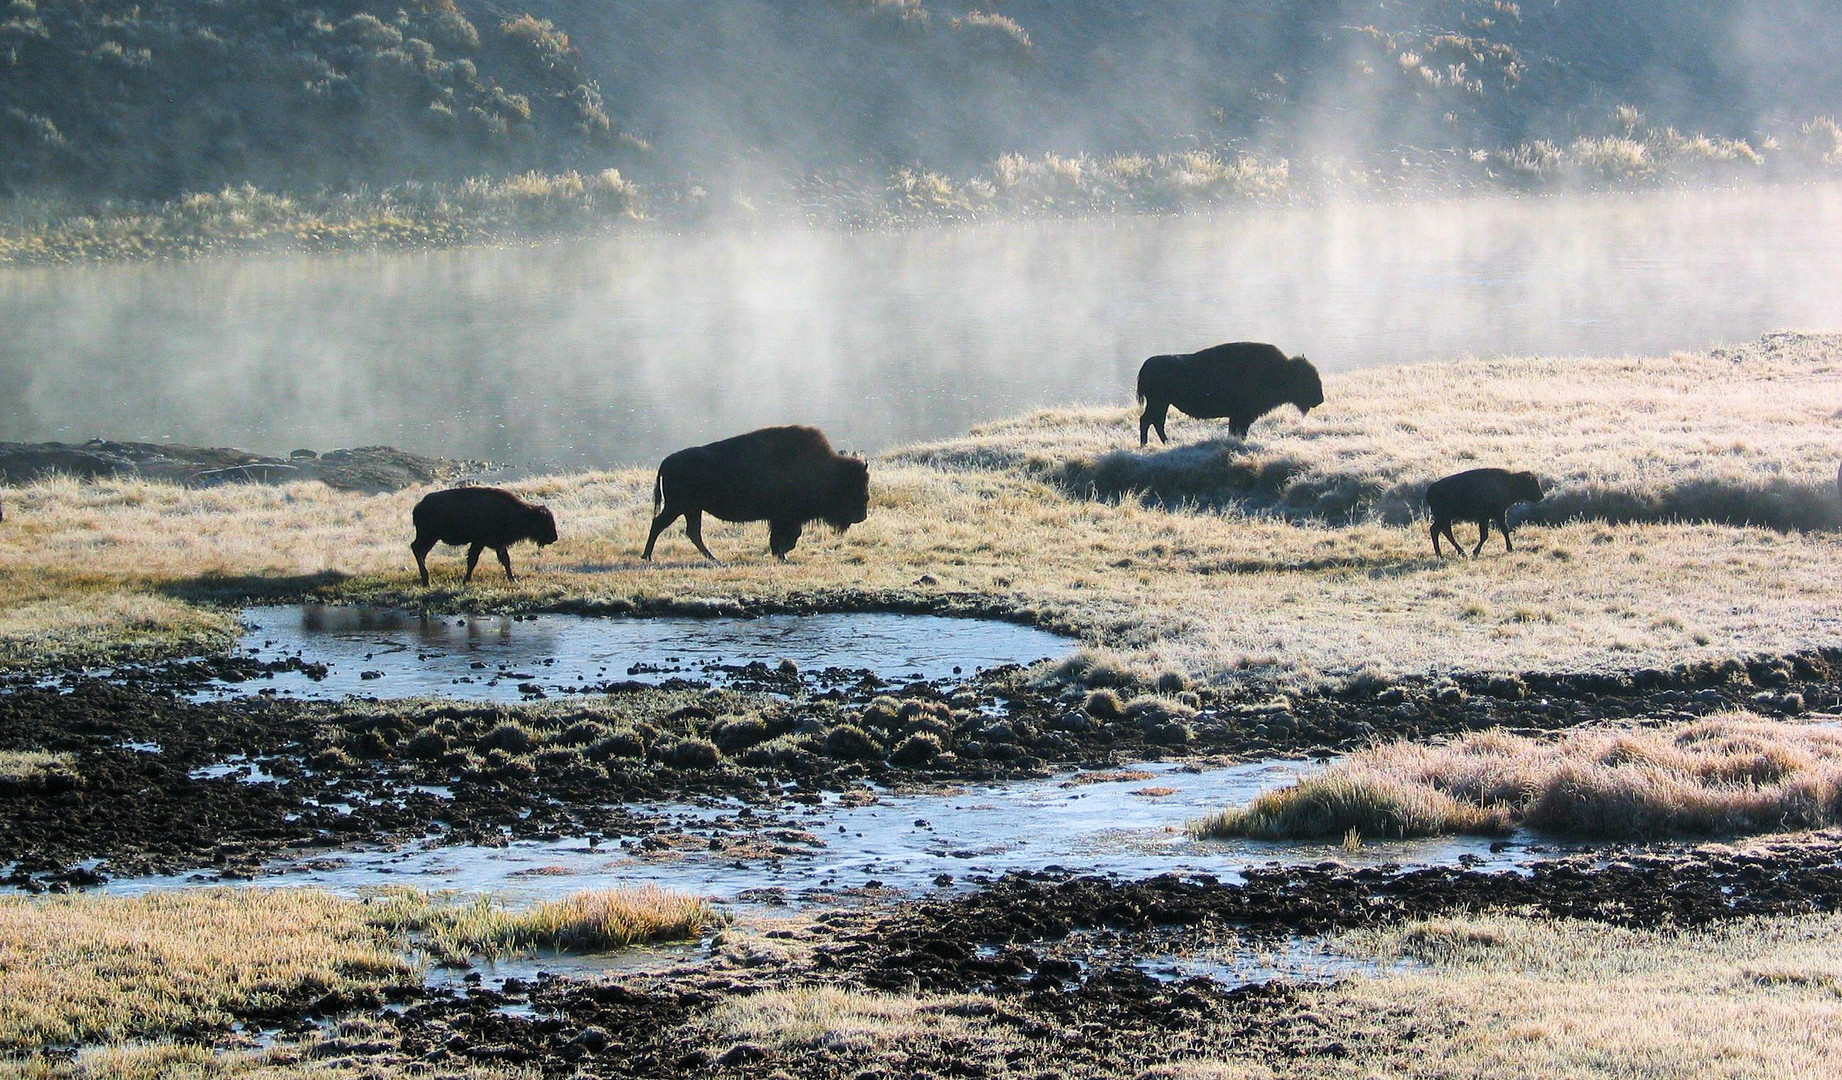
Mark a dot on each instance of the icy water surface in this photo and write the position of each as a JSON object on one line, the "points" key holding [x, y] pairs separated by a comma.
{"points": [[1132, 827], [394, 654]]}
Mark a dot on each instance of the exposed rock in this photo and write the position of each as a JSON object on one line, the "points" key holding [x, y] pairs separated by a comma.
{"points": [[370, 469]]}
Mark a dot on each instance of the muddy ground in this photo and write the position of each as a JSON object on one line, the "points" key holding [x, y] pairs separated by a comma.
{"points": [[134, 801], [1050, 956], [1042, 953]]}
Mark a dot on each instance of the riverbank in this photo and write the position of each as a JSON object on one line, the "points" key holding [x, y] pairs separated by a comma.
{"points": [[536, 207]]}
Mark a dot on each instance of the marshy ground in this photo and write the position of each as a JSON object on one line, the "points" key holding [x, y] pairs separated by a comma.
{"points": [[1664, 638]]}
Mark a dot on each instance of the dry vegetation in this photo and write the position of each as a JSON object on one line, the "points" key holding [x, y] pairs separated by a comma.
{"points": [[186, 1061], [102, 969], [1263, 577], [853, 1020], [1522, 998], [1727, 775], [455, 929], [92, 968], [249, 219]]}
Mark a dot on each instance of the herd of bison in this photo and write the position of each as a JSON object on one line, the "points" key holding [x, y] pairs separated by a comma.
{"points": [[790, 477]]}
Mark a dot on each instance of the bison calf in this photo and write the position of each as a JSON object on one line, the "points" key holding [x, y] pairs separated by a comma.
{"points": [[786, 476], [1243, 380], [479, 517], [1480, 495]]}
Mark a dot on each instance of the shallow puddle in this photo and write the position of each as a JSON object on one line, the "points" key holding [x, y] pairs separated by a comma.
{"points": [[389, 653], [1131, 826]]}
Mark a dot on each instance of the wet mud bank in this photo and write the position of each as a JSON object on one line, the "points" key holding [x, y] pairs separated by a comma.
{"points": [[1046, 970], [159, 783]]}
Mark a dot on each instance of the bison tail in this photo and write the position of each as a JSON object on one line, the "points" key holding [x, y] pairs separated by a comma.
{"points": [[658, 492], [1141, 392]]}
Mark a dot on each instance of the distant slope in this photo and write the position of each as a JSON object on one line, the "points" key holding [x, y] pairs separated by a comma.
{"points": [[151, 100]]}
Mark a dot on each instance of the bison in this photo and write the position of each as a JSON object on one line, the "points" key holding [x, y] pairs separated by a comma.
{"points": [[786, 476], [1243, 380], [480, 517], [1480, 495]]}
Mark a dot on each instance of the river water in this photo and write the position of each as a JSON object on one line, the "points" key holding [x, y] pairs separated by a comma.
{"points": [[616, 351]]}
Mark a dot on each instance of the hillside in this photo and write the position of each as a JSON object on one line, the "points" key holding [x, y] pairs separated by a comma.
{"points": [[377, 112]]}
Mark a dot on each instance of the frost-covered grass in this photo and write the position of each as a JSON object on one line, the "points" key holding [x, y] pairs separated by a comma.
{"points": [[1640, 557]]}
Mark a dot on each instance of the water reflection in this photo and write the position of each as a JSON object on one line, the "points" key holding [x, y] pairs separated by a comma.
{"points": [[394, 653], [617, 351]]}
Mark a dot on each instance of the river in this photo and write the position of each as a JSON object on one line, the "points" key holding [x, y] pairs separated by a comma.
{"points": [[615, 351]]}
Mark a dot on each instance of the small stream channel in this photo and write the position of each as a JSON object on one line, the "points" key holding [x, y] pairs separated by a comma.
{"points": [[1131, 826]]}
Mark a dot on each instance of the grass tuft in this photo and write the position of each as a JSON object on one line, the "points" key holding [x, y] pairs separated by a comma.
{"points": [[1728, 775], [455, 929]]}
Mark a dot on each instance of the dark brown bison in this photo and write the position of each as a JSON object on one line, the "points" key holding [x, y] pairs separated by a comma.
{"points": [[1480, 495], [786, 476], [1243, 380], [479, 517]]}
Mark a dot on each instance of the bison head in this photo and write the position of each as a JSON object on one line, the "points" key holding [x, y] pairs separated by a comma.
{"points": [[543, 526], [1525, 486], [1307, 388], [849, 500]]}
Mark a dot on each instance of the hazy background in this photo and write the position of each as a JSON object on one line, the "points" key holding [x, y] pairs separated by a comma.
{"points": [[1688, 195], [126, 99], [617, 351]]}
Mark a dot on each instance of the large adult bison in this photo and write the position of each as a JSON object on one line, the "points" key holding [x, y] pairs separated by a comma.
{"points": [[785, 476], [480, 518], [1481, 496], [1243, 380]]}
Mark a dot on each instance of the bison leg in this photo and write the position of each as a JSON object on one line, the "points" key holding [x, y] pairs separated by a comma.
{"points": [[1503, 527], [473, 560], [1483, 534], [421, 550], [782, 535], [1154, 416], [1239, 426], [1437, 525], [694, 528], [505, 560], [659, 525]]}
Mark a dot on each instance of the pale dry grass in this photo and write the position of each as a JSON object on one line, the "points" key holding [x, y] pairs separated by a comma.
{"points": [[1742, 436], [990, 520], [455, 929], [1727, 774], [93, 968], [190, 1061], [853, 1020], [20, 765], [1514, 998]]}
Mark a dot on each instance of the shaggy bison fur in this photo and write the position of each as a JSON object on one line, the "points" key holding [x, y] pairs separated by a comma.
{"points": [[786, 476], [479, 517], [1480, 495], [1243, 380]]}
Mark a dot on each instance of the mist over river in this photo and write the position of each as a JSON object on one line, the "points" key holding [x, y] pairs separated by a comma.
{"points": [[615, 351]]}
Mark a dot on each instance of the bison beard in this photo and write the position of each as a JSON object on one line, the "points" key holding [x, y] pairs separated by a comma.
{"points": [[785, 476]]}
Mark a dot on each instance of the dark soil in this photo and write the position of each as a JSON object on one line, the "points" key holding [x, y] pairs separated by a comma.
{"points": [[1043, 955], [588, 766]]}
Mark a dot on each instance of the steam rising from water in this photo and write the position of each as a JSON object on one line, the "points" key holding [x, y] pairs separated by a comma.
{"points": [[617, 351]]}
